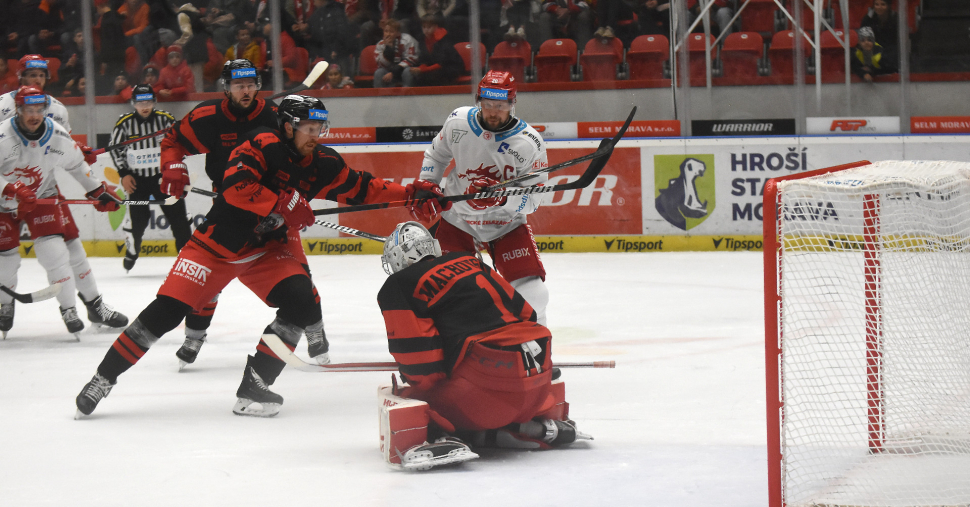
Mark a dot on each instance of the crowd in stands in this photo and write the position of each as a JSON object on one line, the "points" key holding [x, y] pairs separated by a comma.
{"points": [[181, 48]]}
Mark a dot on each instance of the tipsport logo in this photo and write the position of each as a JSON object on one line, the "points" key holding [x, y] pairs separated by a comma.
{"points": [[684, 188], [493, 94], [243, 73]]}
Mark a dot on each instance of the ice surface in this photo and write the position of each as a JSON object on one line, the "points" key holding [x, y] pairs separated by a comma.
{"points": [[679, 422]]}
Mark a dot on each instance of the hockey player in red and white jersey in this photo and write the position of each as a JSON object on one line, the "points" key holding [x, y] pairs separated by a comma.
{"points": [[31, 147], [33, 71], [477, 364], [490, 145]]}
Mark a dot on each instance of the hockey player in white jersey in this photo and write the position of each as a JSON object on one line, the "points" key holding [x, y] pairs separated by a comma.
{"points": [[490, 145], [31, 147], [32, 71]]}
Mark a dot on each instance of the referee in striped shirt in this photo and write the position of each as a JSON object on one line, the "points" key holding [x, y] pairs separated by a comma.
{"points": [[138, 165]]}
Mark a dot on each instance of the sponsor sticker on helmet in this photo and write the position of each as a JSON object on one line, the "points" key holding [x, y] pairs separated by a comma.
{"points": [[36, 64], [35, 99], [318, 114], [144, 96], [493, 94], [243, 73]]}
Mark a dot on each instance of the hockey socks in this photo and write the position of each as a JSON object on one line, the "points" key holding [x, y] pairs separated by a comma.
{"points": [[130, 346]]}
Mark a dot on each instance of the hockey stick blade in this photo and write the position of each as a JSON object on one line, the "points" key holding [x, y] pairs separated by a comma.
{"points": [[602, 150], [311, 78], [283, 352], [41, 295]]}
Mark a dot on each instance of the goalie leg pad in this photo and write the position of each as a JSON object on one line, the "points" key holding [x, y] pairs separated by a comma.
{"points": [[403, 423]]}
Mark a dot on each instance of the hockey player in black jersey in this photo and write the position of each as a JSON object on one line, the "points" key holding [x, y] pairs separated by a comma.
{"points": [[139, 167]]}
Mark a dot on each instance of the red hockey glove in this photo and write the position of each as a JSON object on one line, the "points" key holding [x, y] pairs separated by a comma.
{"points": [[175, 176], [294, 209], [106, 200], [477, 185], [89, 155], [26, 199], [429, 210]]}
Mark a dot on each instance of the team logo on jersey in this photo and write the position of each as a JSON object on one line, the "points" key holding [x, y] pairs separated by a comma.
{"points": [[192, 271], [684, 188], [30, 176], [483, 171], [487, 136], [456, 135]]}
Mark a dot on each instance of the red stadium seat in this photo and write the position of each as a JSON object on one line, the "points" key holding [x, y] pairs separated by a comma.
{"points": [[698, 67], [512, 57], [555, 60], [759, 16], [833, 55], [368, 66], [741, 54], [600, 58], [465, 50], [646, 56], [780, 55]]}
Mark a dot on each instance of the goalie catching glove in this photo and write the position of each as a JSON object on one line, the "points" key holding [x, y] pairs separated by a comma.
{"points": [[429, 209], [106, 200], [479, 184], [25, 197]]}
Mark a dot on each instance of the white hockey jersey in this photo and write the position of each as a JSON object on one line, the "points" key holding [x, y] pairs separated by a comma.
{"points": [[57, 111], [33, 162], [478, 152]]}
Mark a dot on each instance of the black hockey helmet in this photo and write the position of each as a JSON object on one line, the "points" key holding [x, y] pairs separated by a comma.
{"points": [[239, 68], [295, 108], [142, 93]]}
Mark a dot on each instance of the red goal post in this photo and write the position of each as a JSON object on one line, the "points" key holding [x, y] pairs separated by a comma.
{"points": [[867, 339]]}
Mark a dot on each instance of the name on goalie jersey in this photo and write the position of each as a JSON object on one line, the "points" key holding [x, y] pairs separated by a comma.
{"points": [[192, 271]]}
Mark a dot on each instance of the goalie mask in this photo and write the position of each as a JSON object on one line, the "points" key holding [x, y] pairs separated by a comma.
{"points": [[409, 243]]}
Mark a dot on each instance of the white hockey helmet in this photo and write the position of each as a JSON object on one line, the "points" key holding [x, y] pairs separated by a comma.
{"points": [[409, 243]]}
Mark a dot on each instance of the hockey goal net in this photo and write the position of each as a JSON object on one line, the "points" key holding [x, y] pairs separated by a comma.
{"points": [[867, 323]]}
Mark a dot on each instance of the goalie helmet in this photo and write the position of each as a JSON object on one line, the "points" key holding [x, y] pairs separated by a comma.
{"points": [[409, 243], [240, 68]]}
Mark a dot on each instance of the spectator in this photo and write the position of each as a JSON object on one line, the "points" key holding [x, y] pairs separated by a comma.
{"points": [[175, 80], [368, 17], [868, 59], [194, 43], [149, 75], [245, 47], [439, 64], [46, 40], [74, 88], [395, 53], [213, 68], [222, 17], [135, 14], [884, 23], [289, 57], [336, 80], [8, 78], [721, 12], [615, 18], [654, 17], [330, 34], [565, 19], [516, 13], [112, 35], [28, 20], [72, 57], [122, 85]]}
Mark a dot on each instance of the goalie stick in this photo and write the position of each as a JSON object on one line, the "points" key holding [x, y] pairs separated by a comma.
{"points": [[33, 297], [283, 352], [604, 151], [311, 78]]}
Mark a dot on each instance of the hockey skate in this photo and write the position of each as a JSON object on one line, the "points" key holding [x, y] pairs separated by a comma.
{"points": [[72, 321], [102, 315], [6, 317], [129, 261], [254, 397], [189, 351], [93, 392], [444, 451], [317, 346], [535, 434]]}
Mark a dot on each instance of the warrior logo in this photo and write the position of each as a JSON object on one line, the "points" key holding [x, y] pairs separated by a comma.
{"points": [[192, 271], [30, 176], [680, 202]]}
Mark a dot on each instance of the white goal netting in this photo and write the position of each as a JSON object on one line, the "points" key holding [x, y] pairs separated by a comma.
{"points": [[874, 277]]}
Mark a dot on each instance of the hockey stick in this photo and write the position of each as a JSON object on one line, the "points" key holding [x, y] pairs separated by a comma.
{"points": [[598, 153], [167, 202], [41, 295], [283, 352], [315, 74], [591, 172]]}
